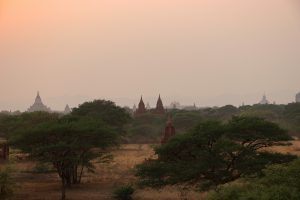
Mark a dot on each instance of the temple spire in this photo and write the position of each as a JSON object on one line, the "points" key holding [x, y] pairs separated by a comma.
{"points": [[38, 105], [141, 107], [159, 106]]}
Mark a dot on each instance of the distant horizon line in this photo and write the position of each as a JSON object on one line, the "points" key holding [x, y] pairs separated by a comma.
{"points": [[131, 101]]}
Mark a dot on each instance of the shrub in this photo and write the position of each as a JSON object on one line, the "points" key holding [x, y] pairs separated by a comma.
{"points": [[41, 168], [123, 193], [7, 184]]}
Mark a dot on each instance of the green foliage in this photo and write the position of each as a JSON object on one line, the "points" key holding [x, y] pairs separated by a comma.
{"points": [[10, 124], [42, 168], [107, 111], [146, 128], [67, 143], [214, 153], [123, 193], [70, 142], [186, 120], [7, 183], [279, 182]]}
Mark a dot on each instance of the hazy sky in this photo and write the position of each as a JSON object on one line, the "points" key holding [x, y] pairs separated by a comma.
{"points": [[211, 52]]}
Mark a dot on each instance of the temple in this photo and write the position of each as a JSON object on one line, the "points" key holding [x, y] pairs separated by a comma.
{"points": [[298, 98], [169, 131], [159, 107], [148, 107], [67, 110], [38, 105], [141, 107], [264, 100]]}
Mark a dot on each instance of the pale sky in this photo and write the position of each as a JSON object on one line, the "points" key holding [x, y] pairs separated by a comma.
{"points": [[211, 52]]}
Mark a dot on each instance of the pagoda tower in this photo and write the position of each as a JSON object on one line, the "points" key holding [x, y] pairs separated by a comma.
{"points": [[264, 100], [67, 110], [159, 107], [169, 131], [298, 98], [148, 107], [141, 107], [38, 105], [134, 108]]}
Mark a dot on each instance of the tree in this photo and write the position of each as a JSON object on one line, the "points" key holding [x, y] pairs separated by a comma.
{"points": [[214, 154], [279, 182], [9, 124], [7, 183], [146, 128], [185, 120], [107, 111], [68, 144]]}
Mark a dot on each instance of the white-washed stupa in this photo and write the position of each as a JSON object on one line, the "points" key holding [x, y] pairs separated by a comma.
{"points": [[38, 105]]}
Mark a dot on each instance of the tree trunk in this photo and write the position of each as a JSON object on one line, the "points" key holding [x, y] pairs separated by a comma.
{"points": [[80, 175], [63, 189], [75, 177]]}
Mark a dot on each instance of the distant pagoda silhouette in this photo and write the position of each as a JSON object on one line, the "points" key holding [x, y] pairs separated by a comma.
{"points": [[38, 105], [159, 107], [67, 110], [298, 97], [141, 107], [264, 100]]}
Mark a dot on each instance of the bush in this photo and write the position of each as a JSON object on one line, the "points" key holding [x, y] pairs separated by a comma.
{"points": [[41, 168], [7, 184], [123, 193], [279, 182]]}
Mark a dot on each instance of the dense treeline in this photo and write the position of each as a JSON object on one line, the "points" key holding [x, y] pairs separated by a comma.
{"points": [[149, 127]]}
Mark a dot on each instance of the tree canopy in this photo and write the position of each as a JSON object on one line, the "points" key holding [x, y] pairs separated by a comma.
{"points": [[107, 111], [279, 182], [215, 153], [70, 142]]}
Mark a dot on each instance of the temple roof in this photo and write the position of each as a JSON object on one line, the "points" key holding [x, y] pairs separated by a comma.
{"points": [[264, 100], [159, 106], [67, 109], [38, 105]]}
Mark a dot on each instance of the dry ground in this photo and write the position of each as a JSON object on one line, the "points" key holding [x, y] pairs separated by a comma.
{"points": [[100, 185]]}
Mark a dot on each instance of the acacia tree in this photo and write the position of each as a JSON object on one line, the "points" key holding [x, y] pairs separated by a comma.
{"points": [[71, 142], [68, 144], [214, 153], [107, 111]]}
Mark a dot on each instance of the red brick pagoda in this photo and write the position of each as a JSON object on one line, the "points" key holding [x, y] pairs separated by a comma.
{"points": [[159, 107], [169, 131], [141, 108]]}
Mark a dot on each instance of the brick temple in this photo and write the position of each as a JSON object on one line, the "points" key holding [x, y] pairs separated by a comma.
{"points": [[142, 109], [169, 131]]}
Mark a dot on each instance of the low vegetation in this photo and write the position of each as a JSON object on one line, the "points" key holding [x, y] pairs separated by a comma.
{"points": [[123, 193], [7, 183], [278, 182]]}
